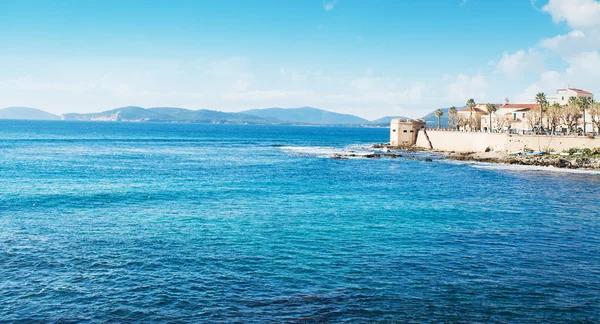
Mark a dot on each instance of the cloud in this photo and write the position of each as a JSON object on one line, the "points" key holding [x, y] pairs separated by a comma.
{"points": [[329, 4], [584, 68], [548, 82], [462, 87], [517, 63], [572, 43], [578, 14]]}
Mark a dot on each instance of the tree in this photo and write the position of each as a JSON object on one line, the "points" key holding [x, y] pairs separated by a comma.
{"points": [[461, 122], [584, 104], [471, 104], [453, 114], [439, 113], [553, 116], [490, 109], [540, 98], [533, 118], [570, 115], [502, 121], [475, 122], [594, 112]]}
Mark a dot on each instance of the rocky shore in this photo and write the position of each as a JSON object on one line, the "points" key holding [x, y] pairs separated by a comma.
{"points": [[547, 160]]}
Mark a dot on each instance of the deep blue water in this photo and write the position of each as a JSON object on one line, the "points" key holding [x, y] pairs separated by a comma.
{"points": [[223, 223]]}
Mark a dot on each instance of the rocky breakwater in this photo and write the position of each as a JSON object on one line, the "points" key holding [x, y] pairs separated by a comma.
{"points": [[380, 151], [549, 160]]}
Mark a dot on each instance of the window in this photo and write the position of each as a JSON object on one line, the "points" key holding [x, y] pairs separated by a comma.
{"points": [[515, 116], [405, 130], [411, 130], [563, 98], [523, 115], [393, 130]]}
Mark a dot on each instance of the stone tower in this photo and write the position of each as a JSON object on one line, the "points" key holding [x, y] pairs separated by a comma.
{"points": [[404, 132]]}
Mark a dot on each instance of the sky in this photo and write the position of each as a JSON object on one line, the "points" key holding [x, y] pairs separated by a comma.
{"points": [[369, 58]]}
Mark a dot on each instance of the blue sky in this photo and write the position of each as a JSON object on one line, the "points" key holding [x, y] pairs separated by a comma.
{"points": [[369, 58]]}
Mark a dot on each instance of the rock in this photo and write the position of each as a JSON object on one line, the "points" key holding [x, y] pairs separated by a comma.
{"points": [[339, 157], [428, 160]]}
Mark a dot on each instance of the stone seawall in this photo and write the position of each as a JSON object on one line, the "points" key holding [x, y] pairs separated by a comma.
{"points": [[479, 142]]}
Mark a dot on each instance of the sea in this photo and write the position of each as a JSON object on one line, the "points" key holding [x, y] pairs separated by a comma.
{"points": [[203, 223]]}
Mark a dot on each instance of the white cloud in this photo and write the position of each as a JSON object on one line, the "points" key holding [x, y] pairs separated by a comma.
{"points": [[578, 14], [516, 64], [584, 68], [548, 82], [572, 43], [463, 87], [329, 4]]}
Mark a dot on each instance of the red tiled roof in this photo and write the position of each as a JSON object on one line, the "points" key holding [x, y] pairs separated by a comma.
{"points": [[475, 110], [579, 91], [521, 106]]}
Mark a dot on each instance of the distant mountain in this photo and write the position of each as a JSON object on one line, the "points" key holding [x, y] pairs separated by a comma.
{"points": [[204, 114], [166, 114], [432, 119], [385, 120], [306, 115], [26, 113]]}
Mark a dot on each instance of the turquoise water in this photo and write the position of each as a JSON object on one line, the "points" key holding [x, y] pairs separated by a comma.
{"points": [[224, 223]]}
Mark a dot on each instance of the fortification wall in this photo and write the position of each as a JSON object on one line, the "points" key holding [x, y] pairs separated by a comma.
{"points": [[462, 141], [540, 142], [478, 142]]}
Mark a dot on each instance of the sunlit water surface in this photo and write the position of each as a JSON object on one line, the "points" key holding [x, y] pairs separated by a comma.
{"points": [[225, 223]]}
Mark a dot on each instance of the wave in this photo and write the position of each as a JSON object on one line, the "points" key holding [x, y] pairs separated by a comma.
{"points": [[326, 151]]}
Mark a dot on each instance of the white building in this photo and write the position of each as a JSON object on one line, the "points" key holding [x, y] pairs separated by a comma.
{"points": [[562, 97]]}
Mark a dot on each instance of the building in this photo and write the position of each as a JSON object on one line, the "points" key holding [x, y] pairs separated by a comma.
{"points": [[517, 117], [467, 114], [562, 95], [404, 132]]}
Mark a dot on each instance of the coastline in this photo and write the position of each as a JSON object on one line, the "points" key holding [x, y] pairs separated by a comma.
{"points": [[547, 160]]}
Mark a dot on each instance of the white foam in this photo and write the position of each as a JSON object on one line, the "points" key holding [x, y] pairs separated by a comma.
{"points": [[325, 151], [533, 168]]}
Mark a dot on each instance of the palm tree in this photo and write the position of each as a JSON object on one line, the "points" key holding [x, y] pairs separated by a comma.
{"points": [[439, 113], [540, 98], [490, 109], [584, 104], [471, 105], [452, 112]]}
